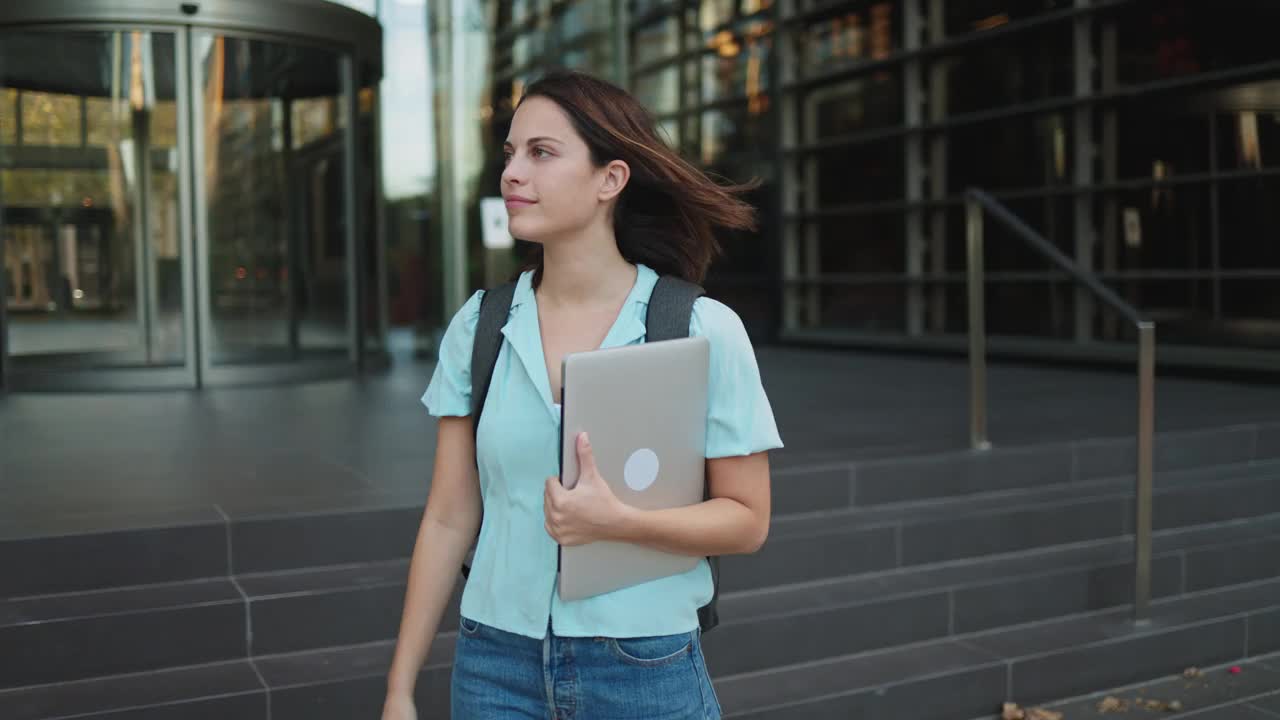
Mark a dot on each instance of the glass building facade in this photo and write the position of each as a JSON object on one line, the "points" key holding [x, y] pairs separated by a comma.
{"points": [[237, 190], [1140, 137]]}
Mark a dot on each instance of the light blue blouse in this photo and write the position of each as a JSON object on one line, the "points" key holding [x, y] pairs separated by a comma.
{"points": [[512, 585]]}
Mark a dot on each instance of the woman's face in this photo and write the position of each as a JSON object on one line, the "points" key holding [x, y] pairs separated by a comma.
{"points": [[550, 185]]}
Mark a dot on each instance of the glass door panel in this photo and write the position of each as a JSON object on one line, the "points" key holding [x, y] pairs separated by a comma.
{"points": [[92, 247], [272, 200]]}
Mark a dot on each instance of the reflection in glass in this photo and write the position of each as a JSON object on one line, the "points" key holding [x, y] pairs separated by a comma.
{"points": [[863, 243], [659, 91], [1161, 39], [274, 198], [527, 47], [734, 142], [1022, 152], [862, 173], [669, 130], [974, 16], [521, 10], [582, 17], [864, 33], [1250, 228], [92, 242], [739, 66], [713, 13], [656, 42], [8, 116], [50, 119], [1156, 138], [862, 103], [1020, 68], [1249, 139]]}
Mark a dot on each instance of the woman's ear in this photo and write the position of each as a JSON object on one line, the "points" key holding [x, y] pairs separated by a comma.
{"points": [[614, 179]]}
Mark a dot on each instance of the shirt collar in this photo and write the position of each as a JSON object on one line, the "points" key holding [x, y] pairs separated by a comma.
{"points": [[523, 333], [646, 279]]}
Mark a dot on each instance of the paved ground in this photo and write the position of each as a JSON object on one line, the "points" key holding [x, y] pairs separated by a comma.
{"points": [[65, 454]]}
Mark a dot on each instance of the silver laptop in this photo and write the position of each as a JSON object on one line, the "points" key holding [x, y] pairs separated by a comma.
{"points": [[645, 410]]}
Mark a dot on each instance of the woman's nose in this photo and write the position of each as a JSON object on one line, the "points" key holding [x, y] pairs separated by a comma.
{"points": [[513, 173]]}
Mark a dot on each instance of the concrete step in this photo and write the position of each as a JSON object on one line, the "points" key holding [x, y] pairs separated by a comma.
{"points": [[206, 692], [972, 675], [803, 487], [80, 636], [92, 552], [351, 682], [814, 546], [330, 684], [901, 595], [89, 551], [69, 637], [307, 597], [809, 621]]}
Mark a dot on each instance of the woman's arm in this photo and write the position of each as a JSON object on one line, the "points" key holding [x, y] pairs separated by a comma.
{"points": [[734, 521], [448, 529]]}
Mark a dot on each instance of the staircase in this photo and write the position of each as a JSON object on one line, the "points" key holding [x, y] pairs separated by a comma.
{"points": [[930, 587]]}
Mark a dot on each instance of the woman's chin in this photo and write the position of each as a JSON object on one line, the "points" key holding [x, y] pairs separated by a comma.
{"points": [[520, 232]]}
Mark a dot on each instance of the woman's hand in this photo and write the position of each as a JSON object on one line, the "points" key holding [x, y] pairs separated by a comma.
{"points": [[399, 707], [587, 513]]}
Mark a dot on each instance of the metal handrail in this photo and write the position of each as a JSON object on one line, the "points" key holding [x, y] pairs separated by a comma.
{"points": [[976, 201]]}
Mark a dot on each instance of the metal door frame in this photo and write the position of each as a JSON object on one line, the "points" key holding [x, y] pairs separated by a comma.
{"points": [[124, 378], [197, 370], [241, 373]]}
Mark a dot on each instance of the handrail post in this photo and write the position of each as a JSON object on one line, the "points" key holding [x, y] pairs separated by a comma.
{"points": [[1146, 440], [978, 439]]}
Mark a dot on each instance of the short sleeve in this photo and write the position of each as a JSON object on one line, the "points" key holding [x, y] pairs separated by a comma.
{"points": [[449, 392], [739, 418]]}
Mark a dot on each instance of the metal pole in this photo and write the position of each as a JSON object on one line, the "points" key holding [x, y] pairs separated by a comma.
{"points": [[4, 302], [1215, 221], [978, 439], [1084, 63], [188, 168], [621, 43], [144, 274], [355, 264], [1146, 432], [292, 227], [915, 94]]}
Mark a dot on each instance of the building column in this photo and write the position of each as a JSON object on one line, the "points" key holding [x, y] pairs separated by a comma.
{"points": [[622, 44], [452, 118], [9, 265], [937, 234], [1083, 176], [1110, 170], [789, 183], [914, 97]]}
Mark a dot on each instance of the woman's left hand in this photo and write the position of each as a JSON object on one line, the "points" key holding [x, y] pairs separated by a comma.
{"points": [[587, 513]]}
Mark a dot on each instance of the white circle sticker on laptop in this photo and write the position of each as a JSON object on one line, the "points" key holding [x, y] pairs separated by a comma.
{"points": [[641, 469]]}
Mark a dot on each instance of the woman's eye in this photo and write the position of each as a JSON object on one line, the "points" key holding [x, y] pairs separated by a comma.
{"points": [[539, 152], [506, 158]]}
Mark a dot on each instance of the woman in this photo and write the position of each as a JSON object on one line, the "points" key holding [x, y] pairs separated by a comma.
{"points": [[609, 206]]}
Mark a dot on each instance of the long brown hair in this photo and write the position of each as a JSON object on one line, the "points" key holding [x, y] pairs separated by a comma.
{"points": [[667, 215]]}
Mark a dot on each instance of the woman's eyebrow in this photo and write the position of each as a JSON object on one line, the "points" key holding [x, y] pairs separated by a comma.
{"points": [[534, 140]]}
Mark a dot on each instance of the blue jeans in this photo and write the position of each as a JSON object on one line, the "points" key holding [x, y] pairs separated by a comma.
{"points": [[497, 674]]}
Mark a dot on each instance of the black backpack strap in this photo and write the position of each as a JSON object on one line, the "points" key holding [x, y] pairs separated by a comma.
{"points": [[670, 311], [495, 307], [670, 308]]}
